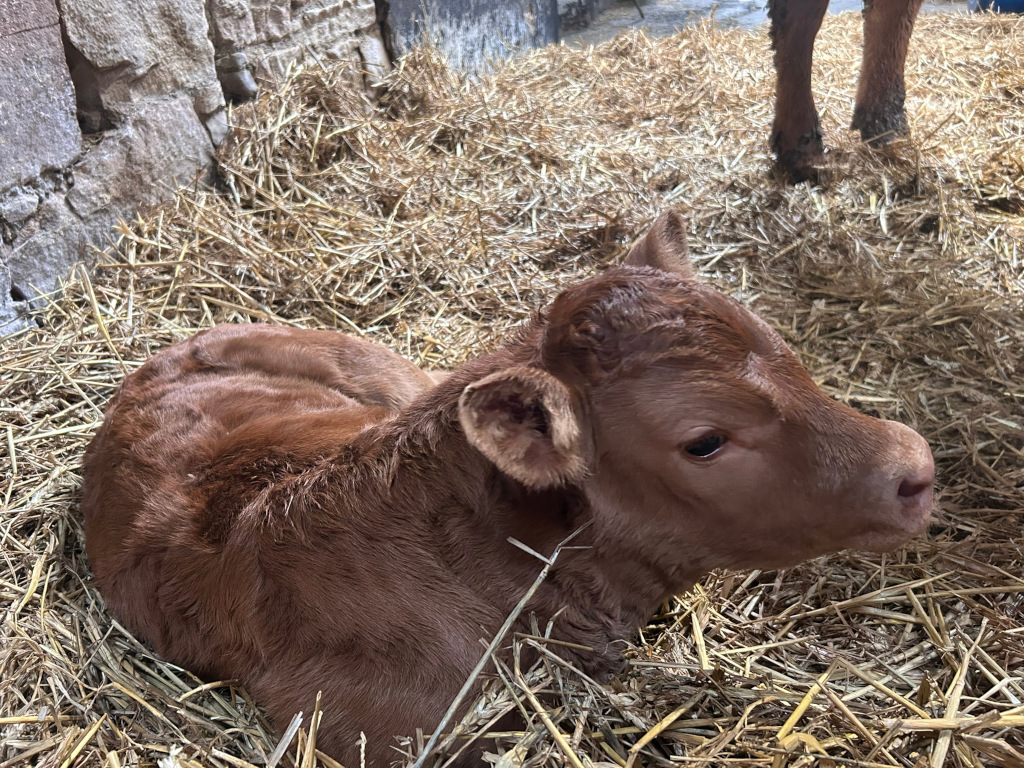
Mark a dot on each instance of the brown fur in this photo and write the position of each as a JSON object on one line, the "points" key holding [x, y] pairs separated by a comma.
{"points": [[879, 112], [304, 511]]}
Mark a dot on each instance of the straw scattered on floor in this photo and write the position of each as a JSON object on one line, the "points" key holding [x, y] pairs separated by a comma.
{"points": [[438, 220]]}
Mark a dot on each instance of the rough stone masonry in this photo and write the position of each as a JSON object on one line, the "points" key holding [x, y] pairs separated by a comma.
{"points": [[105, 106]]}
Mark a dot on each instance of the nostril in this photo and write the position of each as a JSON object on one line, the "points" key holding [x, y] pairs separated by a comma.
{"points": [[913, 487]]}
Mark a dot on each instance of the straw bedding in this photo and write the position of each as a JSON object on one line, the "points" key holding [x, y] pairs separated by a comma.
{"points": [[437, 220]]}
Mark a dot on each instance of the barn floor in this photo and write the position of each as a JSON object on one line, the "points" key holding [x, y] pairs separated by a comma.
{"points": [[439, 221]]}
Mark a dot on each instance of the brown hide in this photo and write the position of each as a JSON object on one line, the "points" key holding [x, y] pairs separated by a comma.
{"points": [[879, 111], [304, 511]]}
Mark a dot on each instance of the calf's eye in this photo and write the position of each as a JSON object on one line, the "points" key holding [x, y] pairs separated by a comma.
{"points": [[707, 446]]}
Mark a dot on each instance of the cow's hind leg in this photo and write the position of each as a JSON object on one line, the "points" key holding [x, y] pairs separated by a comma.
{"points": [[879, 114], [796, 134]]}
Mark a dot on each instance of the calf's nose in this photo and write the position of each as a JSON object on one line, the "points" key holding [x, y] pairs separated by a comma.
{"points": [[918, 467], [914, 497], [910, 487], [913, 487]]}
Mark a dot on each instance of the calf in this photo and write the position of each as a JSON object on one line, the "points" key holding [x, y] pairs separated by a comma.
{"points": [[304, 511], [878, 114]]}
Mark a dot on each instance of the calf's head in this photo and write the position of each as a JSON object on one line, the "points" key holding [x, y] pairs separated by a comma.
{"points": [[693, 429]]}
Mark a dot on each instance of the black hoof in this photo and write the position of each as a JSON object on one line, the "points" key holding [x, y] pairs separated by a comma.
{"points": [[808, 169], [802, 162], [878, 127]]}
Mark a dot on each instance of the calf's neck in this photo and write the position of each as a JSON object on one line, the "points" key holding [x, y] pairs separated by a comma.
{"points": [[304, 511]]}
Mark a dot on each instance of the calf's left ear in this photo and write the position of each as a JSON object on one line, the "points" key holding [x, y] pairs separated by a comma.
{"points": [[523, 420], [664, 247]]}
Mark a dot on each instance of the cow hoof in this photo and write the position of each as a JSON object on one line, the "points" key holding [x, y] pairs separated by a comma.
{"points": [[801, 162], [803, 168], [881, 123]]}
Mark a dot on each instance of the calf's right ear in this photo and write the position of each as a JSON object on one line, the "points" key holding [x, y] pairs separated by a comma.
{"points": [[664, 247], [523, 420]]}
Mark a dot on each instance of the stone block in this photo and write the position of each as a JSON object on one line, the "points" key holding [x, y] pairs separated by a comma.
{"points": [[208, 100], [376, 62], [152, 47], [352, 14], [232, 22], [17, 205], [47, 247], [25, 15], [273, 20], [235, 77], [333, 40], [38, 127], [217, 126], [13, 313], [275, 62], [162, 144], [233, 62]]}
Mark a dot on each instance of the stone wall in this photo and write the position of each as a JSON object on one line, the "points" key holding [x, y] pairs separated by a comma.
{"points": [[106, 105], [262, 38]]}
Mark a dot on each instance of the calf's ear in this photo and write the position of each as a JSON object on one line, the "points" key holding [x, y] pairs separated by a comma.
{"points": [[523, 420], [664, 247]]}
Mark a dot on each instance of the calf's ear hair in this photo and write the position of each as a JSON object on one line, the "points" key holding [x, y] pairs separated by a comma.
{"points": [[664, 247], [523, 420]]}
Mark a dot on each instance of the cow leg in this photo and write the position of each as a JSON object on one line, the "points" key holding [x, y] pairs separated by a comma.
{"points": [[796, 134], [879, 114]]}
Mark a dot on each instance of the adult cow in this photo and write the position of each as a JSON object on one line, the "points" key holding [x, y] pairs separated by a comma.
{"points": [[879, 113]]}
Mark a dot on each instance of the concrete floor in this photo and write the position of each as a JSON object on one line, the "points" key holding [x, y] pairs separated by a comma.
{"points": [[663, 17]]}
